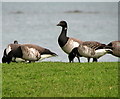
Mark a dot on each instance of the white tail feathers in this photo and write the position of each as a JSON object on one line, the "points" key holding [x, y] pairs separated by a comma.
{"points": [[46, 56]]}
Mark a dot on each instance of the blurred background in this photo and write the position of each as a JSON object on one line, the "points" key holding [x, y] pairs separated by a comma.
{"points": [[35, 23]]}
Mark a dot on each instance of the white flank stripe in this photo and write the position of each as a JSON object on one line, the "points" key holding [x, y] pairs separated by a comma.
{"points": [[45, 56], [100, 52]]}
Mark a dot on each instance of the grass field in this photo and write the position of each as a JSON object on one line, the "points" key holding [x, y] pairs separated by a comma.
{"points": [[59, 79]]}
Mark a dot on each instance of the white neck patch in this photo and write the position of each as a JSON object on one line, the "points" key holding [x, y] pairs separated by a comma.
{"points": [[65, 28], [8, 49]]}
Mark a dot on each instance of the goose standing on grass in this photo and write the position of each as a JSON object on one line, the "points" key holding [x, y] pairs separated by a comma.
{"points": [[90, 49], [115, 46], [30, 52], [67, 43]]}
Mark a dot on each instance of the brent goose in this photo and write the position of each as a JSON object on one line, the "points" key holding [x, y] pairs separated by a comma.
{"points": [[90, 49], [30, 52], [115, 46], [67, 43]]}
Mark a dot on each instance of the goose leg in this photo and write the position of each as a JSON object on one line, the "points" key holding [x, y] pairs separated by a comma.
{"points": [[94, 59], [88, 60], [71, 57], [29, 61], [70, 60], [78, 59]]}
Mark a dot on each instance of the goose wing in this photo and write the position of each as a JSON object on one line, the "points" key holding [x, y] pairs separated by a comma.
{"points": [[94, 45], [76, 40], [39, 48], [31, 54]]}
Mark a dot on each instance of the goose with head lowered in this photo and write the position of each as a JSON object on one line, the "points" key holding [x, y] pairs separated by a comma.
{"points": [[66, 43], [115, 46], [30, 52], [90, 49], [9, 48]]}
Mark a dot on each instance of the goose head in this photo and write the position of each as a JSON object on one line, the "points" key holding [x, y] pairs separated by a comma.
{"points": [[62, 24], [15, 42]]}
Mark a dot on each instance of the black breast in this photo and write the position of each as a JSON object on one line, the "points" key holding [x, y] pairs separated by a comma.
{"points": [[62, 41]]}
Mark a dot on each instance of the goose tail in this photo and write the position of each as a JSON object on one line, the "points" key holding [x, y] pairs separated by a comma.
{"points": [[53, 54], [43, 56], [109, 49], [47, 54]]}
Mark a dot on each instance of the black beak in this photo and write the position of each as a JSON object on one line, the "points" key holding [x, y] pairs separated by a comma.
{"points": [[58, 24]]}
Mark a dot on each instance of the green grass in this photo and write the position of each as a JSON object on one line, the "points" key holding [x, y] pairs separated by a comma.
{"points": [[59, 79]]}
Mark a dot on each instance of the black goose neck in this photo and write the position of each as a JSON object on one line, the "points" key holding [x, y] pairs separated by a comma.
{"points": [[62, 40], [64, 31]]}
